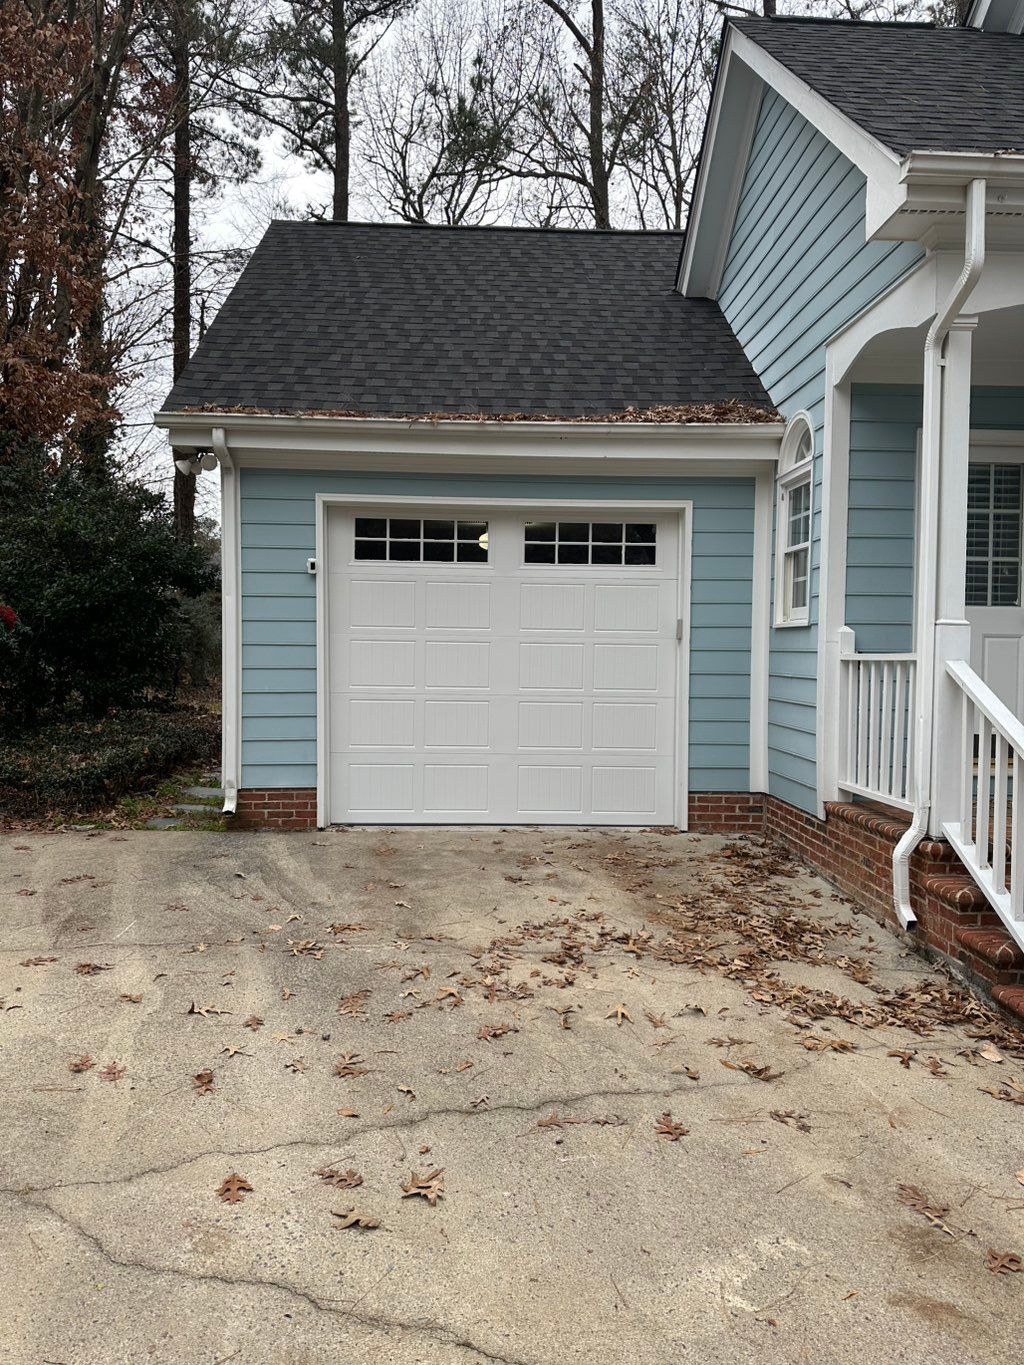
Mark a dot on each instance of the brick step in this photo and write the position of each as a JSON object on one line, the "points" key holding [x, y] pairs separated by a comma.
{"points": [[994, 946], [961, 893], [891, 826], [1011, 998]]}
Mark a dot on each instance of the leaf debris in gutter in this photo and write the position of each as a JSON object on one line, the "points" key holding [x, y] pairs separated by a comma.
{"points": [[732, 411]]}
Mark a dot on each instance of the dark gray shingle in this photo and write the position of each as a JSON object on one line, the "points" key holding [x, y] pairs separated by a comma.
{"points": [[394, 320], [914, 87]]}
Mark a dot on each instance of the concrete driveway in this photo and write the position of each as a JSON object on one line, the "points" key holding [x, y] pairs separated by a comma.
{"points": [[516, 1009]]}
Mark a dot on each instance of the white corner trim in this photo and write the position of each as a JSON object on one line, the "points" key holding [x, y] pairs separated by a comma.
{"points": [[231, 622], [832, 580], [683, 507], [760, 630]]}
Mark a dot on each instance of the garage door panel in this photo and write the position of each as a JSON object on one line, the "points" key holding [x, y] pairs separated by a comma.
{"points": [[552, 606], [628, 607], [551, 667], [502, 692], [381, 603], [457, 664], [381, 663], [550, 725], [456, 724]]}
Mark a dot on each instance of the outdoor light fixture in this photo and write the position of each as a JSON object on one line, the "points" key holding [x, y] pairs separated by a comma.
{"points": [[190, 461]]}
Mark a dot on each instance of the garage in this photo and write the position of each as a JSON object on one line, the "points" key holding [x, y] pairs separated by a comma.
{"points": [[496, 664]]}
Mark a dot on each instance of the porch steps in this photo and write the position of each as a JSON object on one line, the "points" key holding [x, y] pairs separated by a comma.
{"points": [[955, 918]]}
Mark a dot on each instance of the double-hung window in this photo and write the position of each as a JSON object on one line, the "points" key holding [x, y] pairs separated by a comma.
{"points": [[795, 514]]}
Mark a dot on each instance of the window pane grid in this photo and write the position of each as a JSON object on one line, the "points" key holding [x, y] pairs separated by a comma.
{"points": [[993, 535], [795, 517], [590, 542], [406, 539]]}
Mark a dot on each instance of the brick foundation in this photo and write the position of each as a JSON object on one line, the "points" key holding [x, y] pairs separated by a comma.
{"points": [[276, 808], [727, 812]]}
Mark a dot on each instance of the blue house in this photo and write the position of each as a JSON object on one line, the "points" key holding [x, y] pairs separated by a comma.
{"points": [[721, 531]]}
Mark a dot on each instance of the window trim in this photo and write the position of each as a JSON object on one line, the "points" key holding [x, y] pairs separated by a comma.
{"points": [[795, 471]]}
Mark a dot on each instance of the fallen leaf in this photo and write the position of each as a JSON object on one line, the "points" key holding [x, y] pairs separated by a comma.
{"points": [[407, 1090], [234, 1189], [234, 1050], [112, 1072], [129, 999], [429, 1187], [81, 1063], [1003, 1262], [354, 1006], [282, 1038], [345, 1180], [990, 1052], [352, 1218], [666, 1127], [349, 1113], [620, 1014], [91, 968], [751, 1068], [350, 1064], [42, 961], [655, 1020], [202, 1082], [205, 1010], [918, 1201], [791, 1119], [905, 1057], [488, 1031], [296, 1065]]}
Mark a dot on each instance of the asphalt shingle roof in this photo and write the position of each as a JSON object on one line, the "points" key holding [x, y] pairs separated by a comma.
{"points": [[914, 87], [395, 320]]}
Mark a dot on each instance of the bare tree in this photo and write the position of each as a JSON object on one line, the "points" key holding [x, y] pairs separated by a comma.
{"points": [[441, 106], [665, 50], [310, 59]]}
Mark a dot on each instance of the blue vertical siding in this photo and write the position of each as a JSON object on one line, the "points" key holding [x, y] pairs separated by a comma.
{"points": [[279, 609], [884, 424], [797, 270]]}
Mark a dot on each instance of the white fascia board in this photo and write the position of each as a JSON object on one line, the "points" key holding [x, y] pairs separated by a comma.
{"points": [[390, 444], [730, 130]]}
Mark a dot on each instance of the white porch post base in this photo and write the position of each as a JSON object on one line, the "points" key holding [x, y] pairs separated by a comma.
{"points": [[952, 641]]}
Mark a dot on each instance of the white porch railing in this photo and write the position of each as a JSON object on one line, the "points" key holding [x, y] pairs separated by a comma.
{"points": [[876, 716], [989, 833]]}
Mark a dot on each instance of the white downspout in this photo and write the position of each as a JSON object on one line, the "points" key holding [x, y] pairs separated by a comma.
{"points": [[230, 618], [928, 531]]}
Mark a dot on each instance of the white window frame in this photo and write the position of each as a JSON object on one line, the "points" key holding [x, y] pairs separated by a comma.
{"points": [[796, 470]]}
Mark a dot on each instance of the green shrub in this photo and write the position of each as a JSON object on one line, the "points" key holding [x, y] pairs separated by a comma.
{"points": [[68, 766], [98, 580]]}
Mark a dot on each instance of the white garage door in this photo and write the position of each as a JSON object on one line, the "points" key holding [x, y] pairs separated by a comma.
{"points": [[500, 667]]}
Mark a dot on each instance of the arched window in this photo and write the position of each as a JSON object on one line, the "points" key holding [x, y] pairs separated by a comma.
{"points": [[793, 524]]}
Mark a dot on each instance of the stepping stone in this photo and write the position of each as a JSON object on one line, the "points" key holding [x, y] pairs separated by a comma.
{"points": [[163, 822], [205, 793], [193, 808]]}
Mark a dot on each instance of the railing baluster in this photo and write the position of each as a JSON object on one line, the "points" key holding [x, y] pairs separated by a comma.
{"points": [[966, 768], [863, 704], [999, 817], [1017, 841], [873, 717], [981, 799], [885, 764]]}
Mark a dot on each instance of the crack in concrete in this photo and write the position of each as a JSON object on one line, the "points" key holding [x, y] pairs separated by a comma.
{"points": [[445, 1335], [558, 1102]]}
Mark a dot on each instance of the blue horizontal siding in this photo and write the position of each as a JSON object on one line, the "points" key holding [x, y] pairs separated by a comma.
{"points": [[884, 423], [797, 269], [279, 608]]}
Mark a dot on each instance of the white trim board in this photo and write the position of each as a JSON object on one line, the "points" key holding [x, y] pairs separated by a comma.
{"points": [[682, 507]]}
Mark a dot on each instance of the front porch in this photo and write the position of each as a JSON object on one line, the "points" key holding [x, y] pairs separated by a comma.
{"points": [[923, 707]]}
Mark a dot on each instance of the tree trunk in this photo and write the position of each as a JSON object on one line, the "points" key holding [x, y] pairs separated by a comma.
{"points": [[181, 246], [342, 120], [598, 164]]}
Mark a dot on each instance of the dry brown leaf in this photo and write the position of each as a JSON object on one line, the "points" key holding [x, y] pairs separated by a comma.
{"points": [[296, 1065], [234, 1050], [667, 1128], [349, 1113], [234, 1189], [130, 999], [354, 1006], [488, 1031], [81, 1063], [352, 1218], [202, 1082], [205, 1010], [791, 1119], [751, 1068], [1003, 1262], [91, 968], [253, 1022], [349, 1064], [918, 1201], [41, 962], [620, 1014], [345, 1180], [429, 1186], [112, 1072], [905, 1057]]}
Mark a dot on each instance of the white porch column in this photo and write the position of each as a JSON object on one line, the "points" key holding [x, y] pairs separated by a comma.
{"points": [[952, 632]]}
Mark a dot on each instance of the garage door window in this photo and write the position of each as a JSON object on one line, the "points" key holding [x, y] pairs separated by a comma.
{"points": [[408, 538], [590, 542]]}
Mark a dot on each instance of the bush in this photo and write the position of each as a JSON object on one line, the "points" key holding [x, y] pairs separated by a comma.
{"points": [[98, 580], [68, 766]]}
